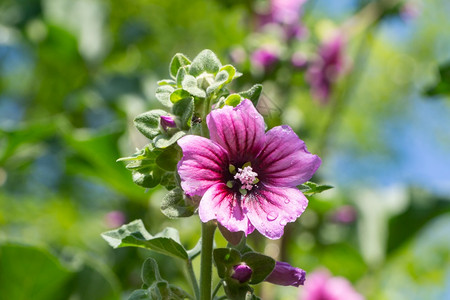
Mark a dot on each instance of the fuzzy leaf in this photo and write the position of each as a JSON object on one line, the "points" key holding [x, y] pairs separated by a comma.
{"points": [[205, 61], [189, 84], [260, 264], [168, 159], [178, 95], [134, 234], [163, 141], [184, 109], [150, 272], [233, 100], [140, 295], [163, 94], [174, 205], [252, 94], [225, 259], [148, 123], [310, 188], [178, 61]]}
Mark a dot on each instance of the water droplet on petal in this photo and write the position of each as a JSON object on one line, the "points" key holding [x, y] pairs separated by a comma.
{"points": [[272, 216], [283, 222], [286, 201]]}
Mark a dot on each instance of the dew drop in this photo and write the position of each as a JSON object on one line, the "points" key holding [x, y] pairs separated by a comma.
{"points": [[286, 201], [272, 216], [283, 222]]}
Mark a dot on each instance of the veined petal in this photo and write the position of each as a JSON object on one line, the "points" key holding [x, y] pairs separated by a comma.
{"points": [[240, 130], [220, 203], [270, 208], [285, 161], [202, 165]]}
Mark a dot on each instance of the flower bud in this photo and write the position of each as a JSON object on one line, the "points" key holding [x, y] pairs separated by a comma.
{"points": [[285, 274], [242, 273], [166, 122]]}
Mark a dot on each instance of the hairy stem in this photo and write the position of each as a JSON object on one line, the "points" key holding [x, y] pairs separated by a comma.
{"points": [[193, 279], [208, 230]]}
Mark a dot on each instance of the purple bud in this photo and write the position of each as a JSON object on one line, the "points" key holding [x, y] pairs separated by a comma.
{"points": [[285, 274], [167, 121], [242, 273]]}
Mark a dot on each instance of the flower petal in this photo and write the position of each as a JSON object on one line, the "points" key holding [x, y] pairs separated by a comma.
{"points": [[220, 203], [285, 161], [240, 130], [270, 208], [203, 164]]}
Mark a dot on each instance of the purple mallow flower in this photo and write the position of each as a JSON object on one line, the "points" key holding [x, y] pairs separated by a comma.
{"points": [[247, 177], [285, 274], [286, 11], [322, 286], [167, 122], [324, 70], [264, 58], [242, 273]]}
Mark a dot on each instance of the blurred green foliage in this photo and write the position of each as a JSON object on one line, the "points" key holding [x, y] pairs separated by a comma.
{"points": [[74, 74]]}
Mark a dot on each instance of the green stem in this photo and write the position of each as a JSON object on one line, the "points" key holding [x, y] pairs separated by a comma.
{"points": [[206, 111], [193, 279], [208, 230]]}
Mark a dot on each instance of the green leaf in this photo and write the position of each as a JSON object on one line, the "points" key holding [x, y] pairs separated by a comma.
{"points": [[163, 94], [167, 82], [168, 180], [224, 76], [134, 234], [140, 295], [180, 75], [225, 259], [184, 109], [178, 95], [233, 100], [194, 252], [189, 84], [260, 264], [163, 141], [178, 61], [150, 272], [169, 158], [205, 61], [148, 123], [442, 86], [174, 205], [218, 83], [236, 291], [252, 94], [146, 178], [28, 272], [310, 188]]}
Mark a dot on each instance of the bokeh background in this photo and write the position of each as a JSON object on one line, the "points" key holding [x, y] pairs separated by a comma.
{"points": [[74, 74]]}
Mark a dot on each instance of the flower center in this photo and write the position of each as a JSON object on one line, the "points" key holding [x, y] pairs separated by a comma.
{"points": [[247, 177]]}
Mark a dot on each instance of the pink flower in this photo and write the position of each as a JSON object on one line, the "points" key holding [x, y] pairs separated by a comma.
{"points": [[286, 11], [320, 285], [285, 274], [114, 219], [247, 177], [264, 58], [324, 70]]}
